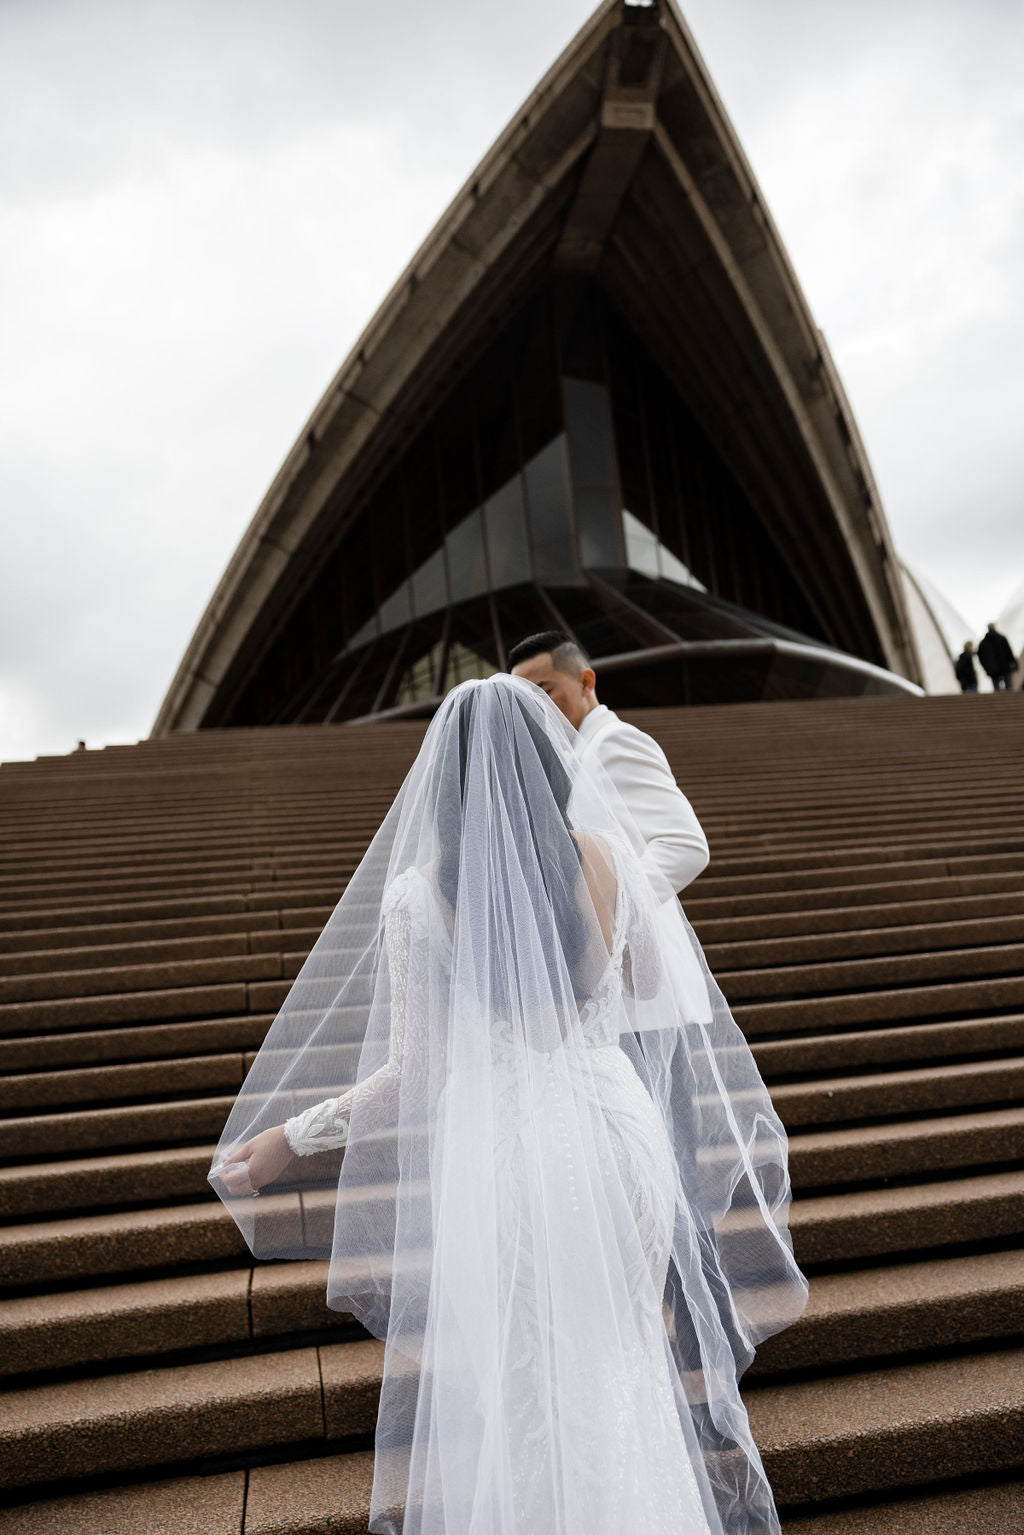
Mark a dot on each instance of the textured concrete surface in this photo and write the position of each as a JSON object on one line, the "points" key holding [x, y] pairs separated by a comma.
{"points": [[131, 1177], [867, 1223], [98, 1129], [908, 1308], [119, 1422], [128, 1007], [852, 1433], [980, 1511], [937, 1144], [351, 1374], [868, 1048], [156, 1041], [312, 1497], [291, 1297], [40, 1332], [193, 1505], [833, 1100], [90, 1245]]}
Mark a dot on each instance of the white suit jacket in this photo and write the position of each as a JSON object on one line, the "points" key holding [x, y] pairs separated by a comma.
{"points": [[676, 846]]}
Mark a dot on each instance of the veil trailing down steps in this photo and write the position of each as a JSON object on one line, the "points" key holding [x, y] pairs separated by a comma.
{"points": [[536, 1149]]}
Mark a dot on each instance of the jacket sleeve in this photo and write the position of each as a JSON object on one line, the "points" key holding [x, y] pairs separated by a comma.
{"points": [[325, 1125], [676, 845]]}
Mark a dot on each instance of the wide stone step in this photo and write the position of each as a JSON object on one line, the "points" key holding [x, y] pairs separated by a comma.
{"points": [[907, 1308], [120, 1178], [700, 904], [63, 1252], [866, 1314], [891, 1427], [156, 1041], [875, 1152], [137, 978], [331, 1493], [874, 1048], [892, 1094], [955, 999], [867, 974], [126, 1008], [834, 1227], [834, 920], [141, 1124], [135, 1080], [973, 1511], [159, 1416], [925, 938], [154, 1315]]}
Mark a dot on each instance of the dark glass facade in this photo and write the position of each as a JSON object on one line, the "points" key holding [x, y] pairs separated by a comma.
{"points": [[561, 484]]}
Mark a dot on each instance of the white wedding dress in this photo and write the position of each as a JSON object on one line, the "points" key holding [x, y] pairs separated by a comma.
{"points": [[636, 1458]]}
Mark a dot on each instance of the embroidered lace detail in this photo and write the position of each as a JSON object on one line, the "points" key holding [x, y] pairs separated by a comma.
{"points": [[324, 1126]]}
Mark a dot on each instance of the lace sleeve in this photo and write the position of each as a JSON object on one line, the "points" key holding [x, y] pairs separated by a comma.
{"points": [[325, 1125]]}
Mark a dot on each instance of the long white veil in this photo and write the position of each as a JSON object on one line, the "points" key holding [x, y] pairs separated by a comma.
{"points": [[563, 1196]]}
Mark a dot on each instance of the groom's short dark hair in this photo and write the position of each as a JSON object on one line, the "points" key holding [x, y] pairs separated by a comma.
{"points": [[567, 655]]}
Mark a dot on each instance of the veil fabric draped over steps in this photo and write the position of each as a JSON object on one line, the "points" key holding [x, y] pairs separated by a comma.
{"points": [[536, 1150]]}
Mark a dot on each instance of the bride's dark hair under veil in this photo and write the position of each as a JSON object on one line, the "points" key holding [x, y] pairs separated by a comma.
{"points": [[562, 1199]]}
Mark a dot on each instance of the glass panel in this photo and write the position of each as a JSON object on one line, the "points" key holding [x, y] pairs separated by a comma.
{"points": [[467, 567], [430, 585], [641, 546], [507, 548], [596, 495], [419, 671], [397, 609], [547, 499]]}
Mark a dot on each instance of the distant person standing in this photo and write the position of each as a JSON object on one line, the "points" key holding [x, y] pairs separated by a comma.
{"points": [[997, 658], [964, 668]]}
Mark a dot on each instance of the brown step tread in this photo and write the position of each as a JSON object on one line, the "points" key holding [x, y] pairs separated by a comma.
{"points": [[153, 1417], [997, 1510], [116, 1046], [881, 1047], [153, 1316], [878, 1429], [873, 1313], [186, 1505], [832, 1100]]}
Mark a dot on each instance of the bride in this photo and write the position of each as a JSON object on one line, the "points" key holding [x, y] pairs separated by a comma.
{"points": [[563, 1193]]}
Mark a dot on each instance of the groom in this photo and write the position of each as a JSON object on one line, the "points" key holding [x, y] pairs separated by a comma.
{"points": [[636, 764], [677, 848]]}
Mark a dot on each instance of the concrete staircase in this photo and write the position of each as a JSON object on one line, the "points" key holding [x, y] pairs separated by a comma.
{"points": [[864, 912]]}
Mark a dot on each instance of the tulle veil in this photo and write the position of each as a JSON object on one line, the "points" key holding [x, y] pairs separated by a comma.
{"points": [[485, 1217]]}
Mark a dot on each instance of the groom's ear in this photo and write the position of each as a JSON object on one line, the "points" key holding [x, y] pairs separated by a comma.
{"points": [[588, 679]]}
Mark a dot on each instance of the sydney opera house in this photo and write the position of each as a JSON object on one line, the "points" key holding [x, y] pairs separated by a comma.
{"points": [[595, 400]]}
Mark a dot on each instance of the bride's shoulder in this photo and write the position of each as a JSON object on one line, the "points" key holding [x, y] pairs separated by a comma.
{"points": [[410, 891], [404, 891]]}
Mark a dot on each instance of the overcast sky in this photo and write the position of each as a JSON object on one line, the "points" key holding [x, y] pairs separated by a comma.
{"points": [[204, 201]]}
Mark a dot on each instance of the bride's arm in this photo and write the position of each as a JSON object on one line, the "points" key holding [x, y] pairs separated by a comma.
{"points": [[325, 1125]]}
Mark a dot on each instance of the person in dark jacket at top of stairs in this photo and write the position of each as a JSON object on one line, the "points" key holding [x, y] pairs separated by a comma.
{"points": [[997, 658], [964, 668]]}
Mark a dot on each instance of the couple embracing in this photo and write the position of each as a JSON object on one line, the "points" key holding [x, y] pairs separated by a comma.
{"points": [[507, 1100]]}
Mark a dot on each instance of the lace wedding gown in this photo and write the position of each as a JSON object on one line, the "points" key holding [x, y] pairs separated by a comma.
{"points": [[617, 1417]]}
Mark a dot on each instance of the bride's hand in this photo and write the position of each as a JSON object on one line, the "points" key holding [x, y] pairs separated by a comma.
{"points": [[267, 1155]]}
